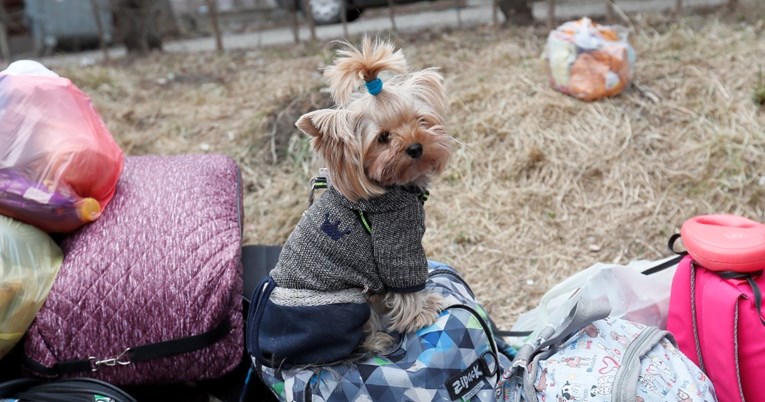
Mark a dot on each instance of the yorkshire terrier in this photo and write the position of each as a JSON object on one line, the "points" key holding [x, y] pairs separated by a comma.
{"points": [[354, 268]]}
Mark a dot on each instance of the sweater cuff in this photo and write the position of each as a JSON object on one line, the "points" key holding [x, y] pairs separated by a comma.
{"points": [[410, 289]]}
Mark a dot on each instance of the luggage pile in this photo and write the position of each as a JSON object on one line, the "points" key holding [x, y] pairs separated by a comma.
{"points": [[143, 282], [129, 271]]}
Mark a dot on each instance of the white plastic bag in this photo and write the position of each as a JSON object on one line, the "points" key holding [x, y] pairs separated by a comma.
{"points": [[589, 61], [632, 295]]}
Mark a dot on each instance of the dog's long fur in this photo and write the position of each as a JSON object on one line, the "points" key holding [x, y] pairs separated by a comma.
{"points": [[371, 142]]}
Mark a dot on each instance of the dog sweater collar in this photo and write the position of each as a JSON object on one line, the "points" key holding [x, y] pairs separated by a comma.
{"points": [[321, 182], [422, 195]]}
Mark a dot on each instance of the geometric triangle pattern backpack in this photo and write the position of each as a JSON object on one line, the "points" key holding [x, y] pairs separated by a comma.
{"points": [[592, 357], [716, 303], [455, 358]]}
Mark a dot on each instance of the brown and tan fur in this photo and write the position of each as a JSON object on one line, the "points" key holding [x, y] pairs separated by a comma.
{"points": [[369, 142]]}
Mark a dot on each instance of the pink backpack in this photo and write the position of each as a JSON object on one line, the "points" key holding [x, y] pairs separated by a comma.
{"points": [[715, 310]]}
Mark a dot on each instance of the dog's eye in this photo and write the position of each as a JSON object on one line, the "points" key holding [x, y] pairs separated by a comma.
{"points": [[384, 137]]}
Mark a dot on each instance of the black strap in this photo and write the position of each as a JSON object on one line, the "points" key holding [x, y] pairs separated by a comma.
{"points": [[136, 354], [664, 265], [671, 244], [749, 276], [511, 334], [180, 346], [257, 260], [671, 262]]}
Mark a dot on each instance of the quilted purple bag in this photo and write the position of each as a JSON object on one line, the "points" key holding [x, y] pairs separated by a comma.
{"points": [[151, 292]]}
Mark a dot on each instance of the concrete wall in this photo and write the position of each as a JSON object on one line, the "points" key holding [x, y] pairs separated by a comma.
{"points": [[199, 6], [578, 8]]}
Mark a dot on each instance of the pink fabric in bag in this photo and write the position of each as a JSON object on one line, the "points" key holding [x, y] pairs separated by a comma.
{"points": [[163, 262], [729, 340], [59, 164]]}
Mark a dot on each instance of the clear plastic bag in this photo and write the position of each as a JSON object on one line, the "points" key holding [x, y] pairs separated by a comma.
{"points": [[29, 263], [59, 165], [632, 295], [589, 61]]}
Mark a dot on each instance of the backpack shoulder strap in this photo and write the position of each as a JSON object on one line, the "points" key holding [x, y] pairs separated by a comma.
{"points": [[626, 379], [525, 365]]}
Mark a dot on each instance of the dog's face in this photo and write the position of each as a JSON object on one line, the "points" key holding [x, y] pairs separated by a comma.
{"points": [[395, 138]]}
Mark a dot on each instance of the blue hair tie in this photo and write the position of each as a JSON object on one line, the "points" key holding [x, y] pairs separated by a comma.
{"points": [[375, 86]]}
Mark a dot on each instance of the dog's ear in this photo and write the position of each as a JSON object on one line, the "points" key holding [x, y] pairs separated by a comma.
{"points": [[334, 138], [329, 128], [310, 123], [428, 87]]}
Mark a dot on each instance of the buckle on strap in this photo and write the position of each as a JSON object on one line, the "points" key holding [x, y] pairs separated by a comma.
{"points": [[319, 182], [123, 359]]}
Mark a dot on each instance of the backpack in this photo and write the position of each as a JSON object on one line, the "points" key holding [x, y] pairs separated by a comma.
{"points": [[715, 308], [456, 358], [593, 357]]}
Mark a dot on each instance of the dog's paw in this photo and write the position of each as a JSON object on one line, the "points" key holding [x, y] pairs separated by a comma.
{"points": [[378, 343]]}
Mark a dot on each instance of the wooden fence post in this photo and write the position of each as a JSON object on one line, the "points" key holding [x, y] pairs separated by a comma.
{"points": [[308, 11], [344, 18], [295, 22], [458, 4], [212, 8], [610, 13], [100, 28], [5, 50], [392, 9], [494, 16]]}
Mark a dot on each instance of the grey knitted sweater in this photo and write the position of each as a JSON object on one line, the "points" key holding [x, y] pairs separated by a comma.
{"points": [[330, 250]]}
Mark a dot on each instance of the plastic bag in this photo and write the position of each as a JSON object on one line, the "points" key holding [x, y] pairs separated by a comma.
{"points": [[29, 263], [633, 296], [59, 165], [589, 61]]}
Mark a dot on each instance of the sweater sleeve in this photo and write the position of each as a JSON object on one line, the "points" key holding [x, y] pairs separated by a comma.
{"points": [[398, 251]]}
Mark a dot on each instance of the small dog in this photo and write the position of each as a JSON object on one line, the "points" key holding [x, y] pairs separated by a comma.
{"points": [[360, 244]]}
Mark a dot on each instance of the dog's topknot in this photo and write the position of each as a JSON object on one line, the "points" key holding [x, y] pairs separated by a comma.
{"points": [[352, 65]]}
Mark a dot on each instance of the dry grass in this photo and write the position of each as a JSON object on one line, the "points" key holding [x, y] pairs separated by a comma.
{"points": [[544, 185]]}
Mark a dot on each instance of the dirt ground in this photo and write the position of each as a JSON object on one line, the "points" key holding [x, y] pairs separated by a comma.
{"points": [[541, 185]]}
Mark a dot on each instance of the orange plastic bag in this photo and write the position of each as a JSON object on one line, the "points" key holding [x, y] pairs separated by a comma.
{"points": [[589, 61], [59, 165]]}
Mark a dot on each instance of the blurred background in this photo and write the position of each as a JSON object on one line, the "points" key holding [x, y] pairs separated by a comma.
{"points": [[34, 28]]}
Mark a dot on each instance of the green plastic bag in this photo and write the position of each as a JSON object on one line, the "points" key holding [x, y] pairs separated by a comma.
{"points": [[29, 263]]}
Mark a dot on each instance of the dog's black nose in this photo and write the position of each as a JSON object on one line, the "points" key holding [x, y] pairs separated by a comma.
{"points": [[415, 151]]}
